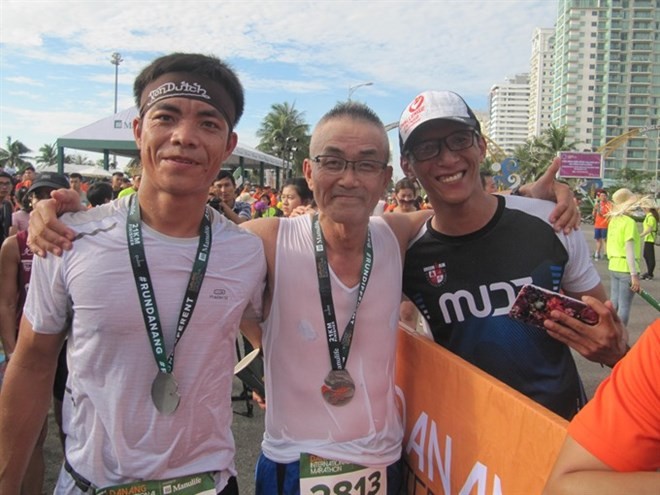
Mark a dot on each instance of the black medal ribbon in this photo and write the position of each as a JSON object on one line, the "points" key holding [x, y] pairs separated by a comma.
{"points": [[338, 388], [164, 389]]}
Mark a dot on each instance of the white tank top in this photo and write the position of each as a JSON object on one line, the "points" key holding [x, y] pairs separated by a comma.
{"points": [[367, 430]]}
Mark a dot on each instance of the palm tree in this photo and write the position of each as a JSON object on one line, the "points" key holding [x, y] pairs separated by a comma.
{"points": [[283, 132], [48, 155], [555, 140], [14, 155], [78, 159]]}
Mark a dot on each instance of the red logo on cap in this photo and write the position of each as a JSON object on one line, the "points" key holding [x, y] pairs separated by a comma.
{"points": [[417, 102]]}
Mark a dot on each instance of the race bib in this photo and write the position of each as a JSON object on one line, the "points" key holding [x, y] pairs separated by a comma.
{"points": [[319, 476], [197, 484]]}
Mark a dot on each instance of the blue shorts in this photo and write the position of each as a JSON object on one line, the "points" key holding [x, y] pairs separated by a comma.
{"points": [[600, 234], [267, 473]]}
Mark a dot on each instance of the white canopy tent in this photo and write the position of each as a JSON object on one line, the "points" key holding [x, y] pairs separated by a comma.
{"points": [[84, 170], [113, 135]]}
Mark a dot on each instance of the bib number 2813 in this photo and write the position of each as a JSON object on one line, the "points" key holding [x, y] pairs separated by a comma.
{"points": [[320, 476], [365, 485]]}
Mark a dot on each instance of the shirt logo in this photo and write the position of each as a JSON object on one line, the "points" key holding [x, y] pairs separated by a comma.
{"points": [[436, 274]]}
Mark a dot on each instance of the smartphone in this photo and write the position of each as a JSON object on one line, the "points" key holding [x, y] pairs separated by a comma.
{"points": [[533, 305]]}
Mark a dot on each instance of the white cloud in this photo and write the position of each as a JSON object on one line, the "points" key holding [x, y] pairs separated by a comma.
{"points": [[24, 81], [283, 51]]}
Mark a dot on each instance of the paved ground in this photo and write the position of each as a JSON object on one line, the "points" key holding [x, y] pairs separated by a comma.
{"points": [[248, 430]]}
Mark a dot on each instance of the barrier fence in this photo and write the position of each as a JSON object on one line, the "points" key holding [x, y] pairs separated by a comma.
{"points": [[466, 432]]}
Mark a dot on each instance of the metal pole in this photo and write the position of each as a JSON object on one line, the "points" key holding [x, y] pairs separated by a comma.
{"points": [[115, 60], [352, 89]]}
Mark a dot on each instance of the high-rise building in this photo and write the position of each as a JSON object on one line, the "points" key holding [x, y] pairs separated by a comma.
{"points": [[607, 77], [540, 81], [508, 106]]}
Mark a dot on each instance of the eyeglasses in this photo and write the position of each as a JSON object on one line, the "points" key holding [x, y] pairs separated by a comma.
{"points": [[336, 165], [456, 141], [5, 184]]}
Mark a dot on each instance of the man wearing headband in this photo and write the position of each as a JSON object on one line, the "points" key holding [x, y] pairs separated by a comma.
{"points": [[470, 260], [152, 273]]}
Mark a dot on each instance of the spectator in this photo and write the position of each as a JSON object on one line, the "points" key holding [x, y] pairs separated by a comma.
{"points": [[224, 189], [488, 182], [6, 208], [296, 197], [131, 422], [76, 181], [263, 208], [26, 178], [117, 183], [15, 268], [649, 235], [405, 196], [134, 185], [613, 444], [99, 193], [623, 251], [21, 217], [601, 220]]}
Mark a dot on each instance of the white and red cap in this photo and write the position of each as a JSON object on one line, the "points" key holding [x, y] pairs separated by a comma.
{"points": [[434, 105]]}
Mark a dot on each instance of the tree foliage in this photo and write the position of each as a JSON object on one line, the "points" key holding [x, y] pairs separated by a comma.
{"points": [[284, 133], [537, 153], [47, 155], [14, 155]]}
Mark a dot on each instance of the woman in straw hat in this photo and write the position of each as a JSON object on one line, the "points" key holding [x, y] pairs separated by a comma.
{"points": [[623, 248]]}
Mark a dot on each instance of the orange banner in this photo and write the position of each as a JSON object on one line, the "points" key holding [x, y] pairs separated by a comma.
{"points": [[466, 432]]}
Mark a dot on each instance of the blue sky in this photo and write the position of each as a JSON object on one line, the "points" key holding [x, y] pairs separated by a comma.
{"points": [[56, 75]]}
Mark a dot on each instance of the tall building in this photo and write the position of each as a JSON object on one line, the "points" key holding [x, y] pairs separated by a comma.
{"points": [[508, 106], [540, 81], [607, 77]]}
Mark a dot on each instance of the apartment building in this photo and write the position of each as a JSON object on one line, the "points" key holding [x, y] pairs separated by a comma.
{"points": [[607, 78], [541, 70], [508, 106]]}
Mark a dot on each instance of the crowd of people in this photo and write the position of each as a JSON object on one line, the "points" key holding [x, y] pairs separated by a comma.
{"points": [[150, 292]]}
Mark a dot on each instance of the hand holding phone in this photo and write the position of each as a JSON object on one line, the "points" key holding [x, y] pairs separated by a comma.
{"points": [[534, 304]]}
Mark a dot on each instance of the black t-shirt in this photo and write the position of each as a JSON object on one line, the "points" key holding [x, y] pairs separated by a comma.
{"points": [[464, 286]]}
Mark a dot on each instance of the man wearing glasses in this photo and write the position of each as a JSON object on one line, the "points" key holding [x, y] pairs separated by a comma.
{"points": [[329, 338], [472, 257], [6, 185]]}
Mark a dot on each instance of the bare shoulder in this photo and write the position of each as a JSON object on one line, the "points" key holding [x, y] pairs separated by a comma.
{"points": [[266, 228], [406, 225]]}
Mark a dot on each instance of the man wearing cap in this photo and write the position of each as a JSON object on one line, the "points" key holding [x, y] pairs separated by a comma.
{"points": [[15, 268], [469, 261], [153, 273]]}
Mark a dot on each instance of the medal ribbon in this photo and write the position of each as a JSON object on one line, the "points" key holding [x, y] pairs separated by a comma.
{"points": [[338, 349], [145, 287]]}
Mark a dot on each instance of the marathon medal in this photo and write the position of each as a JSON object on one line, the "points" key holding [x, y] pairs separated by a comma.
{"points": [[338, 387], [164, 393], [164, 389]]}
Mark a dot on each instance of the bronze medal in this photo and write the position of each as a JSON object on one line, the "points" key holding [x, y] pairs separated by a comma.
{"points": [[164, 393], [338, 388]]}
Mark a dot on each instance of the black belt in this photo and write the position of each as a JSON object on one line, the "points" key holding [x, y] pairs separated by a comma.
{"points": [[81, 482]]}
